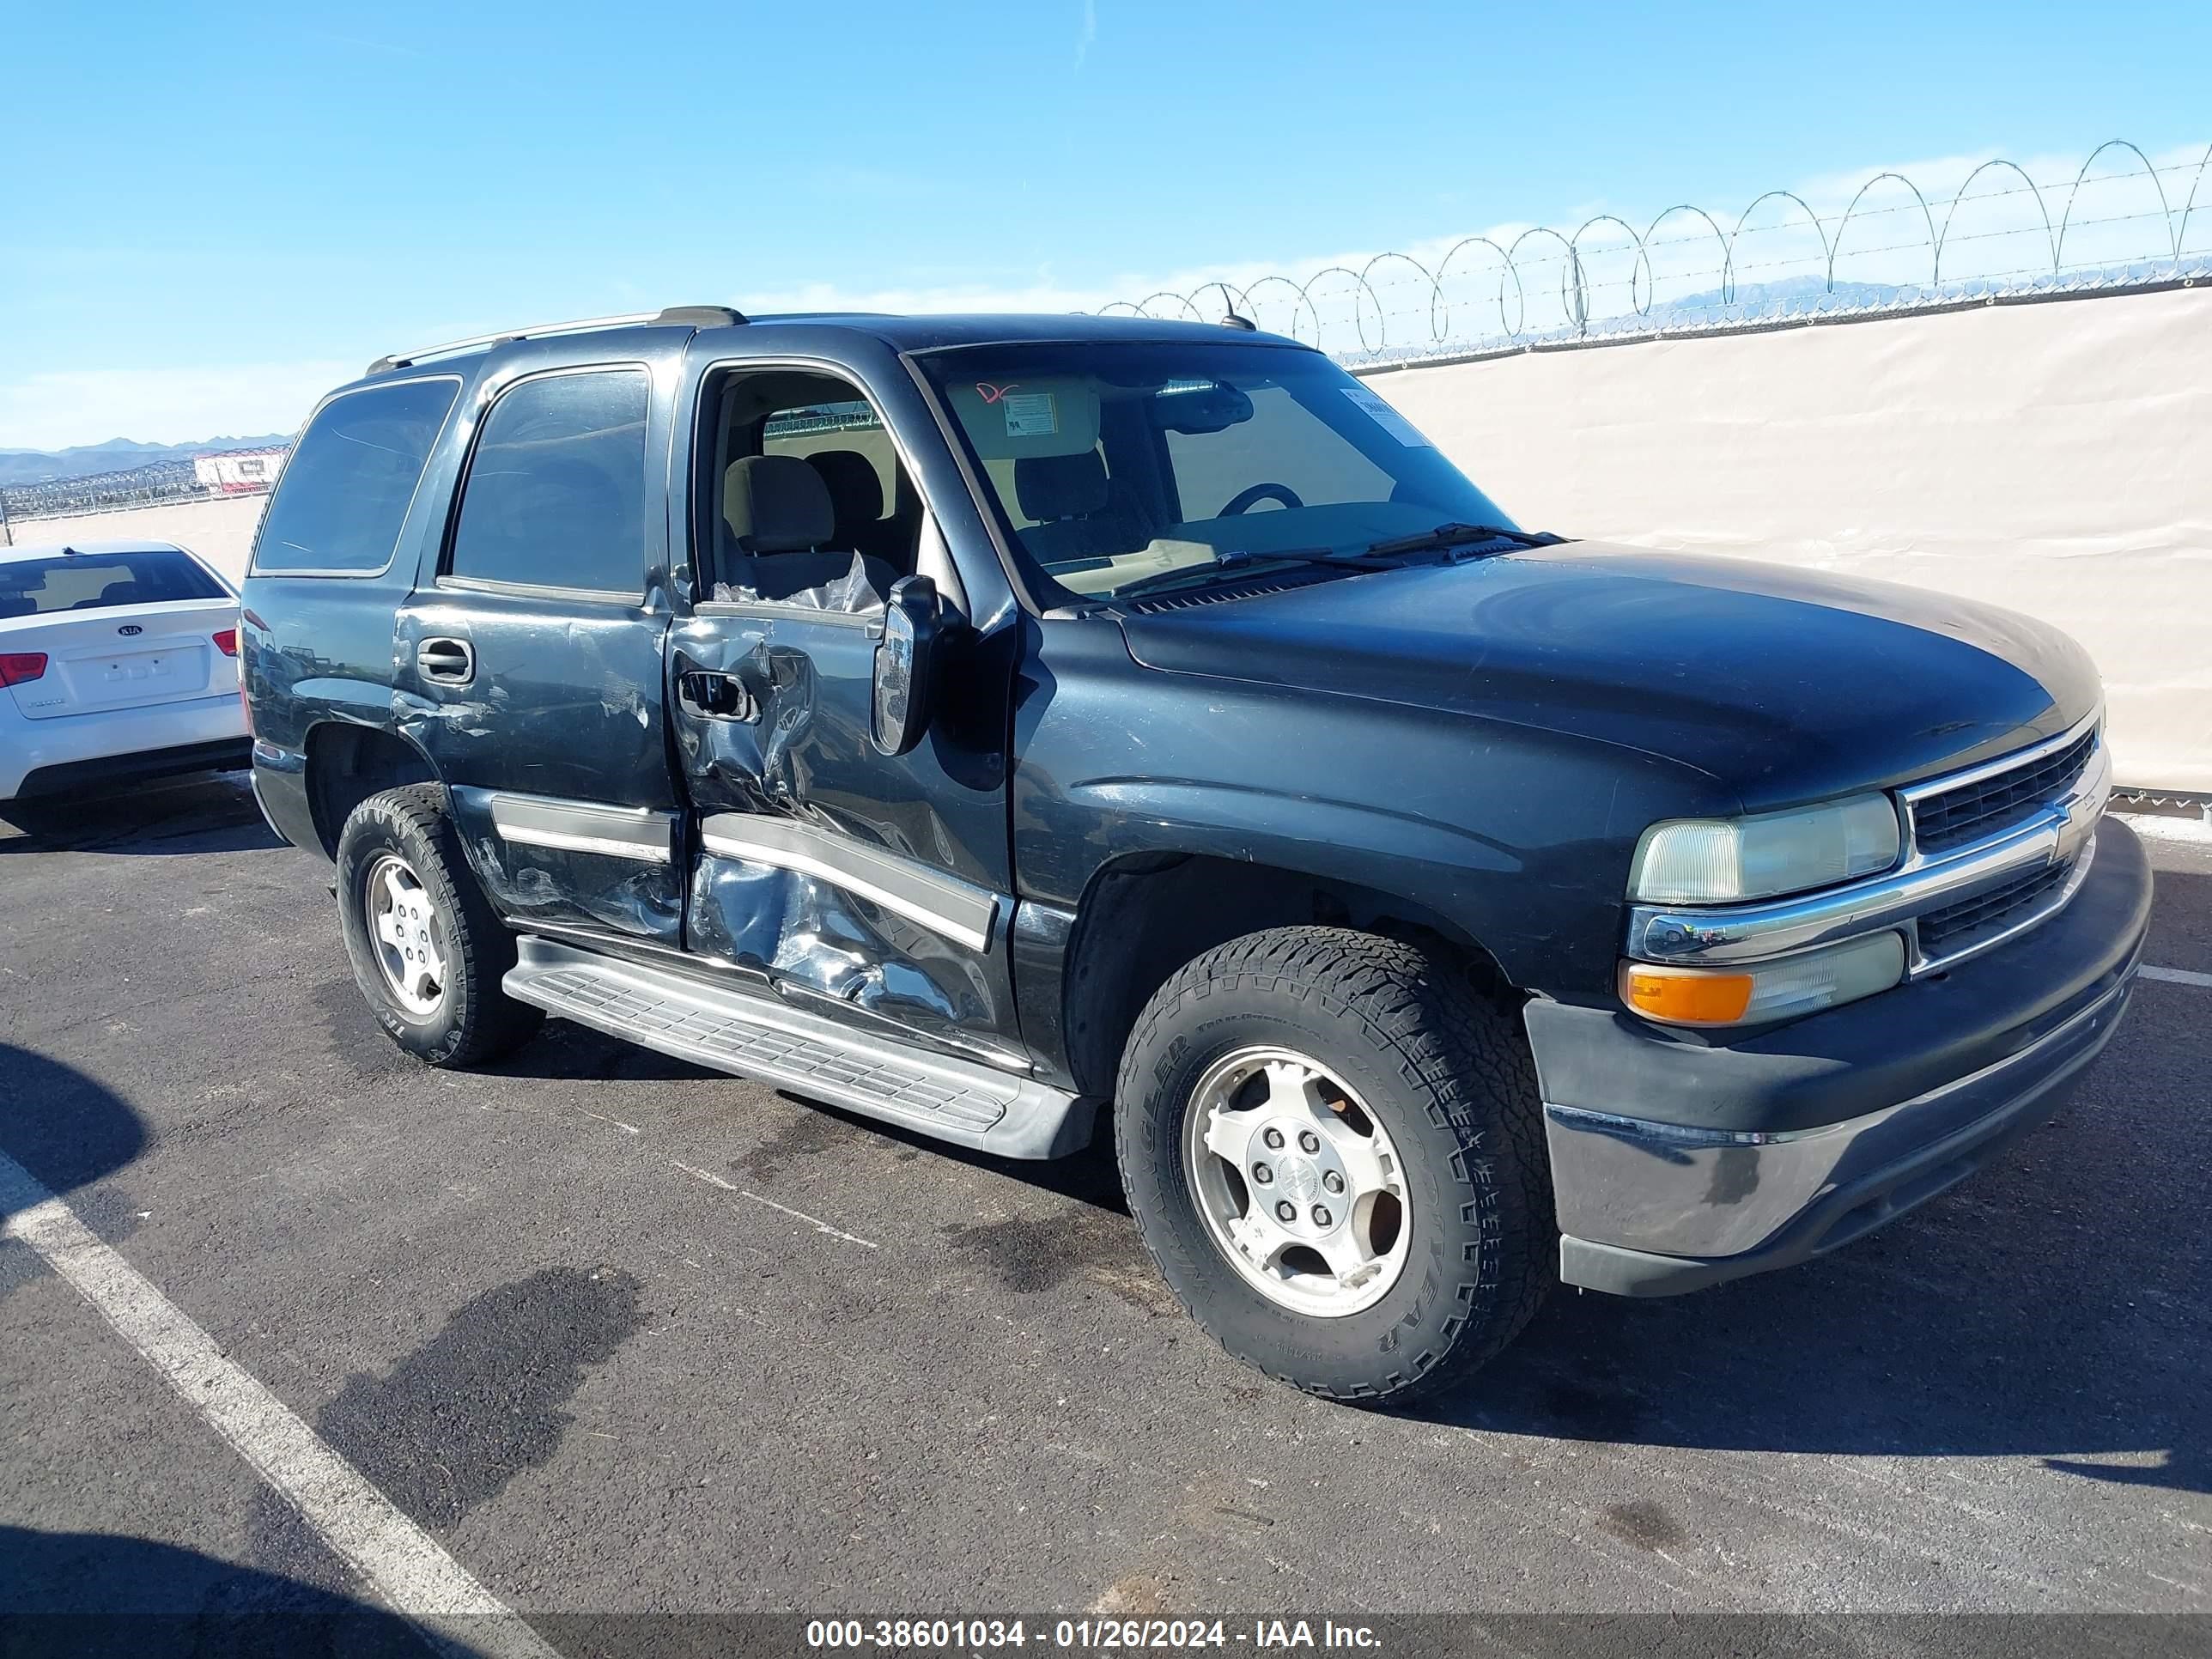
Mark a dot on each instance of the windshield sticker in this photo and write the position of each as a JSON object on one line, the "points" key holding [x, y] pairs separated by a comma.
{"points": [[1387, 417], [1029, 413]]}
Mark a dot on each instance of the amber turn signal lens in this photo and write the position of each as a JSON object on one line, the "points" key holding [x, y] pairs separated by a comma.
{"points": [[1685, 996]]}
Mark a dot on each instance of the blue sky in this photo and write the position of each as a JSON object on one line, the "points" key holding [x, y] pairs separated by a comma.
{"points": [[211, 212]]}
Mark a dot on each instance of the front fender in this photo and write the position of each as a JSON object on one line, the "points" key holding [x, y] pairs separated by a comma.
{"points": [[1520, 836]]}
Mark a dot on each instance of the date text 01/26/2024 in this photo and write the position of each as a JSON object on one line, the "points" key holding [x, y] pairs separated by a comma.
{"points": [[1263, 1635]]}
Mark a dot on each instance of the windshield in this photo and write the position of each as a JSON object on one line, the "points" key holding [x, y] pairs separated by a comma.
{"points": [[1118, 464], [97, 581]]}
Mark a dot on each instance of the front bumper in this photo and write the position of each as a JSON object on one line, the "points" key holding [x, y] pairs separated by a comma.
{"points": [[1680, 1161]]}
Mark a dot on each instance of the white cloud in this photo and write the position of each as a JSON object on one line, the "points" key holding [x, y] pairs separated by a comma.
{"points": [[1088, 33]]}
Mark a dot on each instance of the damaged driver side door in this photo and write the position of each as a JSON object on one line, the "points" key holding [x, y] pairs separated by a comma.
{"points": [[872, 887]]}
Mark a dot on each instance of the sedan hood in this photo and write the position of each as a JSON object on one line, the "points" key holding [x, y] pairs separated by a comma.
{"points": [[1785, 685]]}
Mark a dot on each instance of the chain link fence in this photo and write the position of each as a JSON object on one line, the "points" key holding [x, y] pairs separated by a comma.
{"points": [[158, 481]]}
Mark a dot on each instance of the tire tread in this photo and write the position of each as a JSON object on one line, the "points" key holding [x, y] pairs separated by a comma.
{"points": [[1463, 1061]]}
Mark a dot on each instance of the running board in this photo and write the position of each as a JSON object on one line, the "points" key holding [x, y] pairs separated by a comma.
{"points": [[752, 1035]]}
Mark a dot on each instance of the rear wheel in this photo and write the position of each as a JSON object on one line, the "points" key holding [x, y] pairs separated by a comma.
{"points": [[426, 949], [1332, 1147]]}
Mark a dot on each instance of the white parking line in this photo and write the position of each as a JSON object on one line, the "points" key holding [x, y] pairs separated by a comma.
{"points": [[410, 1569], [2178, 977], [813, 1221]]}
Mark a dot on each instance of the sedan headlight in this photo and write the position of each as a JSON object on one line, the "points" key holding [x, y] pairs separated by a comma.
{"points": [[1721, 860]]}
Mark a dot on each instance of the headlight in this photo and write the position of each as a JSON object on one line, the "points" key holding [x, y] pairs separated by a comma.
{"points": [[1719, 860], [1778, 989]]}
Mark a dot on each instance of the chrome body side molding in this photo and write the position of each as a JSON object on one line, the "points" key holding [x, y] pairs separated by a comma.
{"points": [[578, 826], [924, 895]]}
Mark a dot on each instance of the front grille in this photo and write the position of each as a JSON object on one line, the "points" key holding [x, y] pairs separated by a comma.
{"points": [[1956, 926], [1954, 817]]}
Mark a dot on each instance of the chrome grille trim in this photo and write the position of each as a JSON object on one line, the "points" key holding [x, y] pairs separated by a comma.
{"points": [[1960, 808], [2057, 834], [2029, 909]]}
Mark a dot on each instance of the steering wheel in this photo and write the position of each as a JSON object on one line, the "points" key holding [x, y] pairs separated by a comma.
{"points": [[1242, 500]]}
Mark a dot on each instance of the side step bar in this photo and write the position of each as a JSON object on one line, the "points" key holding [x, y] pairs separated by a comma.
{"points": [[755, 1035]]}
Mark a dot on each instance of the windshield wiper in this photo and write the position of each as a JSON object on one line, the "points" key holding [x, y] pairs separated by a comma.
{"points": [[1448, 536], [1239, 561]]}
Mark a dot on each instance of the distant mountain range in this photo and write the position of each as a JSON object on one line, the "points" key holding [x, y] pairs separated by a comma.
{"points": [[29, 466]]}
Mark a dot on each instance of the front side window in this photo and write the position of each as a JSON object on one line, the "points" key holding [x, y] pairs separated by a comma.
{"points": [[344, 492], [554, 495], [101, 581], [1115, 464], [804, 503]]}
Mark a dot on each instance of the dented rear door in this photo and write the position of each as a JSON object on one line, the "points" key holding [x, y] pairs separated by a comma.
{"points": [[530, 658]]}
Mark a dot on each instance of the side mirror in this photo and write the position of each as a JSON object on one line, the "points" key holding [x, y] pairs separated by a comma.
{"points": [[906, 660]]}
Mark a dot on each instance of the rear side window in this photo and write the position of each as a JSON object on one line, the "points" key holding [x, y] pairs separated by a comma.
{"points": [[100, 581], [555, 494], [345, 491]]}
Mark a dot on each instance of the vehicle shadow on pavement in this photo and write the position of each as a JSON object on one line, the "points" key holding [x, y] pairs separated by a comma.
{"points": [[2050, 1308], [210, 814], [80, 1593], [563, 1051], [66, 1129]]}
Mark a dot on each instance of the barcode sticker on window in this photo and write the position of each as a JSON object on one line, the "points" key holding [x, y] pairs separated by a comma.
{"points": [[1029, 413], [1387, 417]]}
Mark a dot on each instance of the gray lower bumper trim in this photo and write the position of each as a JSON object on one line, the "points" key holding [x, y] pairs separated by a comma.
{"points": [[1652, 1209]]}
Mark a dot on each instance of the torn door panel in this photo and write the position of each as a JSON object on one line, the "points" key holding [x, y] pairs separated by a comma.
{"points": [[752, 758], [813, 931]]}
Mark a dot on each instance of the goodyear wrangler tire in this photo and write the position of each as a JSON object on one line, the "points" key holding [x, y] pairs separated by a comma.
{"points": [[1333, 1149], [427, 950]]}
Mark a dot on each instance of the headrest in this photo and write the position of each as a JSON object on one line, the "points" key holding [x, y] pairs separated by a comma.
{"points": [[1053, 487], [776, 504], [855, 488]]}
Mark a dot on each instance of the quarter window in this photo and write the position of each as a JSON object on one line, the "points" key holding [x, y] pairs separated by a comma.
{"points": [[344, 493], [555, 494]]}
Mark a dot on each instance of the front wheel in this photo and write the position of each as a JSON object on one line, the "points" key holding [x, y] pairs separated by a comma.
{"points": [[427, 950], [1333, 1149]]}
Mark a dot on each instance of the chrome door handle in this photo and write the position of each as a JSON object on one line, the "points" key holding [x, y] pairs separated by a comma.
{"points": [[449, 662]]}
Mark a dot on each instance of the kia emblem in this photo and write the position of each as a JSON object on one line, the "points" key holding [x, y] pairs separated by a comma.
{"points": [[131, 628]]}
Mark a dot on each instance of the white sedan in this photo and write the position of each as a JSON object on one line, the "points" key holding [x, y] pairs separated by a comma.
{"points": [[119, 663]]}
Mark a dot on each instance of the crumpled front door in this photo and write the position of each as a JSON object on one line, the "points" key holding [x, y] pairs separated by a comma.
{"points": [[872, 887]]}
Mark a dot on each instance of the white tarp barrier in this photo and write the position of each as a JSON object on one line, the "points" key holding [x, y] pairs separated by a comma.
{"points": [[2055, 458]]}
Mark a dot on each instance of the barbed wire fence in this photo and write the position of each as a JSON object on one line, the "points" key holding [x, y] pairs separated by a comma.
{"points": [[2121, 222]]}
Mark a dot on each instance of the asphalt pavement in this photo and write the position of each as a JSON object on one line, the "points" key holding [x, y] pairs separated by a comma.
{"points": [[623, 1336]]}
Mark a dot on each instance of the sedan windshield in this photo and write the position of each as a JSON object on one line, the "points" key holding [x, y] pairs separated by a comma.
{"points": [[1116, 466]]}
